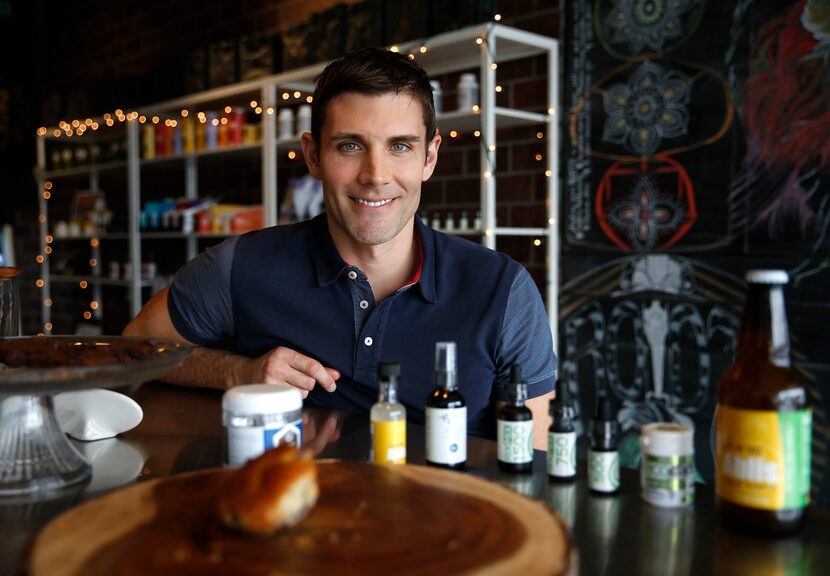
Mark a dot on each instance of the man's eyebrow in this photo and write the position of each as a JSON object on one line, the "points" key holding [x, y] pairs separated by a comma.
{"points": [[340, 136]]}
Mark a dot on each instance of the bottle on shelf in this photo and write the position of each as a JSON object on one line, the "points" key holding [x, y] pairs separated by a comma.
{"points": [[515, 427], [763, 430], [562, 437], [603, 457], [303, 119], [436, 220], [446, 413], [437, 96], [388, 418], [467, 92], [449, 222], [477, 222], [464, 222], [285, 121]]}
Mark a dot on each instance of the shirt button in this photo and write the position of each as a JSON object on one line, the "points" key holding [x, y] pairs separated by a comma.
{"points": [[368, 341], [364, 304], [352, 275]]}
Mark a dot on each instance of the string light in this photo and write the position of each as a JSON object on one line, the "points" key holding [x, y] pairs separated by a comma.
{"points": [[83, 284], [422, 49], [93, 262], [548, 173], [40, 259], [42, 218], [270, 110], [56, 133], [292, 155], [537, 242], [540, 135], [477, 133], [285, 96], [49, 239], [258, 110], [87, 315], [93, 305], [48, 327], [185, 113], [297, 94], [488, 174], [497, 17], [47, 185], [88, 121], [412, 56], [94, 242], [538, 157], [215, 121], [394, 49], [223, 121], [39, 283], [498, 88], [309, 99], [253, 104], [47, 195], [155, 119], [476, 108], [551, 111], [142, 119], [228, 109], [492, 147], [479, 40], [453, 134], [494, 66], [47, 250], [48, 302]]}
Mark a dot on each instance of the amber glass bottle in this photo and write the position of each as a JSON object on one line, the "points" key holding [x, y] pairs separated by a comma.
{"points": [[763, 423]]}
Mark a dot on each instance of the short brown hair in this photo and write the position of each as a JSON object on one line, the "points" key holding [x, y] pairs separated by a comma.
{"points": [[372, 71]]}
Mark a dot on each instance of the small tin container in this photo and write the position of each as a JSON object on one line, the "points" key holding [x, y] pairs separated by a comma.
{"points": [[667, 467], [258, 417]]}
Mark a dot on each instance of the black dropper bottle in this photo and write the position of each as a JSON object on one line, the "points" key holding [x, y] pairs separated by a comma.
{"points": [[446, 413], [562, 437], [603, 458], [515, 427]]}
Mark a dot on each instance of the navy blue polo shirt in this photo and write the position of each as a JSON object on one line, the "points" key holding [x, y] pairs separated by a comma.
{"points": [[288, 286]]}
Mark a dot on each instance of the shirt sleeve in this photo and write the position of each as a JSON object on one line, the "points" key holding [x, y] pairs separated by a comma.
{"points": [[526, 338], [199, 301]]}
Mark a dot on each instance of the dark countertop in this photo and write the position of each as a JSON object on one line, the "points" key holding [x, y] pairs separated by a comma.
{"points": [[621, 534]]}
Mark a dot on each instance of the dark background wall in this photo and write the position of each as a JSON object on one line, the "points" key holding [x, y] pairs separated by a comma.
{"points": [[648, 314]]}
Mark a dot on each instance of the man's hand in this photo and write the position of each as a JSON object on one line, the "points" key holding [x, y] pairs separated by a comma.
{"points": [[285, 366], [320, 429]]}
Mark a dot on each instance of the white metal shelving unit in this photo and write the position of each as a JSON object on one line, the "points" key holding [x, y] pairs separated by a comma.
{"points": [[480, 47]]}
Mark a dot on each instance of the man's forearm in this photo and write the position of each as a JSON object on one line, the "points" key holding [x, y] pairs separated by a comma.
{"points": [[210, 368]]}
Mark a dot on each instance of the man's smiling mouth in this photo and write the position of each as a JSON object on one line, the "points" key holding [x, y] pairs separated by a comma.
{"points": [[372, 204]]}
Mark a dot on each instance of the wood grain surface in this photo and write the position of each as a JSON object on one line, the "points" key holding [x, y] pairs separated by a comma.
{"points": [[369, 520]]}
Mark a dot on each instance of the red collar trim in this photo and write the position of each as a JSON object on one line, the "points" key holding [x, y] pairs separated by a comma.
{"points": [[417, 276]]}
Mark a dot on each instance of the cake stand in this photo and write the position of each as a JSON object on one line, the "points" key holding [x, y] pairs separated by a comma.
{"points": [[35, 455]]}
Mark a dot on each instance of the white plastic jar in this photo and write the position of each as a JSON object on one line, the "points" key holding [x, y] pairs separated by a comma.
{"points": [[258, 417]]}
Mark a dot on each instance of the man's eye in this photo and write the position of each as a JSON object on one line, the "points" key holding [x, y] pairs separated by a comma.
{"points": [[400, 147], [348, 146]]}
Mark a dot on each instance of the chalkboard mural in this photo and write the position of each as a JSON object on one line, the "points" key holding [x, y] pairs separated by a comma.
{"points": [[697, 146]]}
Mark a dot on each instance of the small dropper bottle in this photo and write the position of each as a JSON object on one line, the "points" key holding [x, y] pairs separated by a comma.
{"points": [[603, 458], [446, 413], [562, 437], [515, 427], [388, 418]]}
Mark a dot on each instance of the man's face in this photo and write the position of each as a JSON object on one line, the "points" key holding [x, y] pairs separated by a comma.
{"points": [[372, 158]]}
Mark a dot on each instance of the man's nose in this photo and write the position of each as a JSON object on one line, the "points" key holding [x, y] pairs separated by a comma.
{"points": [[374, 171]]}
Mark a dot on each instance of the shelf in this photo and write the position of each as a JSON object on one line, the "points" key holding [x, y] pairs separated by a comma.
{"points": [[464, 121], [107, 236], [80, 170], [236, 149], [100, 280], [458, 50], [172, 234]]}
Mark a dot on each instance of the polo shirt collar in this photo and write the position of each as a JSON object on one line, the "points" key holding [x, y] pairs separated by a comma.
{"points": [[329, 265]]}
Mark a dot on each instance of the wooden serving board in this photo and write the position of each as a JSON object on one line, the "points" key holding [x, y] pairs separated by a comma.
{"points": [[396, 520]]}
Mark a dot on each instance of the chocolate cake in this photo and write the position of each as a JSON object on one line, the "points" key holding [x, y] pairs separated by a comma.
{"points": [[52, 352]]}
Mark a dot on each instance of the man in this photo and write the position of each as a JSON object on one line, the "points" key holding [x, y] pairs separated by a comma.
{"points": [[319, 304]]}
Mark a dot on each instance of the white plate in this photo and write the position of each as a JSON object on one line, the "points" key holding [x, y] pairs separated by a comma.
{"points": [[114, 463], [96, 414]]}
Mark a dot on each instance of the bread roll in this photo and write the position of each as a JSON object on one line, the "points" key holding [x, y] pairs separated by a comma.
{"points": [[275, 490]]}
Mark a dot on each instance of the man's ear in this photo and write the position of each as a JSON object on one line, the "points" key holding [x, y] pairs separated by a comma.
{"points": [[432, 156], [311, 154]]}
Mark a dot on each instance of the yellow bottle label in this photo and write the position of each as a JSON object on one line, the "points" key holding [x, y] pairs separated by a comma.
{"points": [[389, 442], [763, 458]]}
